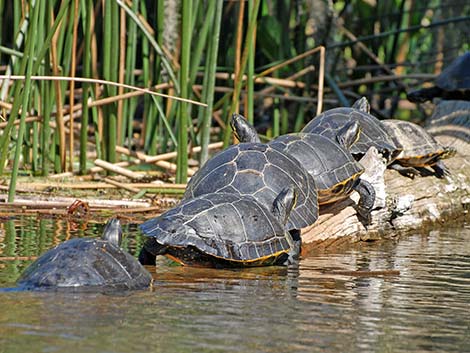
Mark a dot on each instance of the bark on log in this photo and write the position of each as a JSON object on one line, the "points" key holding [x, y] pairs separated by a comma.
{"points": [[410, 204]]}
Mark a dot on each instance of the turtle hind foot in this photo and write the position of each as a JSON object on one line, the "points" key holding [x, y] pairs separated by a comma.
{"points": [[440, 170]]}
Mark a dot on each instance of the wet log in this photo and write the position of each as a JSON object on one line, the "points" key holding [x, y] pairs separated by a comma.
{"points": [[411, 205]]}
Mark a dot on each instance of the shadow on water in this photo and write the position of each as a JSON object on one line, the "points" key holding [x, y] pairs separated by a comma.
{"points": [[333, 302]]}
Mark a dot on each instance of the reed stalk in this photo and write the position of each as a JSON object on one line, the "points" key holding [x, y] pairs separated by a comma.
{"points": [[182, 159], [85, 86], [209, 78], [75, 15], [250, 85], [244, 59], [29, 53]]}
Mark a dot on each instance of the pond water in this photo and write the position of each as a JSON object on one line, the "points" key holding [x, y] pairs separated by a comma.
{"points": [[319, 307]]}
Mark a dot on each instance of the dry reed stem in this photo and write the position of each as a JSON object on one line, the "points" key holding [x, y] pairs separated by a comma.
{"points": [[321, 80], [118, 170], [121, 185], [94, 80], [73, 65]]}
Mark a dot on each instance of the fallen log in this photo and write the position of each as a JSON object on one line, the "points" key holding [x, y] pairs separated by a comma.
{"points": [[411, 204]]}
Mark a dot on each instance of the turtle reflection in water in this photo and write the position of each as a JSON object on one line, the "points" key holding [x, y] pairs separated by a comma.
{"points": [[223, 230], [87, 264]]}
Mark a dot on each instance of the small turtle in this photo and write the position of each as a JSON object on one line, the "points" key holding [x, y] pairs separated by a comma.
{"points": [[335, 171], [260, 171], [453, 83], [223, 230], [330, 122], [419, 149], [87, 264]]}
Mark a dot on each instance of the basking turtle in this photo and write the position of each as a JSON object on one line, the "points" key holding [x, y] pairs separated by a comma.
{"points": [[453, 83], [330, 123], [419, 149], [87, 264], [261, 171], [223, 230], [335, 171]]}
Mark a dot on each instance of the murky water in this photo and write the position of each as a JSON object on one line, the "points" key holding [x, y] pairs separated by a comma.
{"points": [[320, 307]]}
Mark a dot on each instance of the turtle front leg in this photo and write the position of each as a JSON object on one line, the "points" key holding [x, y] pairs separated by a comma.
{"points": [[295, 242], [408, 172], [366, 201], [440, 170]]}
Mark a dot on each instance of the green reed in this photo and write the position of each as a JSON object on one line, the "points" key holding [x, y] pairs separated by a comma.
{"points": [[196, 62]]}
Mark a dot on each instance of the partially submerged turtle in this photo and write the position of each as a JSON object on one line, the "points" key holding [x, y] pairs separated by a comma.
{"points": [[223, 230], [419, 149], [453, 83], [89, 264], [335, 171], [260, 171], [332, 121]]}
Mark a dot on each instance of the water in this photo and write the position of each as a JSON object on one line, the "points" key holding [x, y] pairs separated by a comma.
{"points": [[316, 308]]}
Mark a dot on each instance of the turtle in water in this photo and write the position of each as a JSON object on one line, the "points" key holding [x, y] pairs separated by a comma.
{"points": [[335, 171], [223, 230], [87, 264], [331, 122], [419, 149], [453, 83], [260, 171]]}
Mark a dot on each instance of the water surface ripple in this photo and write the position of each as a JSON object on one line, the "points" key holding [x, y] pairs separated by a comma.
{"points": [[322, 306]]}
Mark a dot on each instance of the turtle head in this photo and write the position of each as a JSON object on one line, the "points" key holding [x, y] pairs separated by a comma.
{"points": [[349, 134], [243, 130], [448, 152], [284, 203], [113, 232], [362, 104]]}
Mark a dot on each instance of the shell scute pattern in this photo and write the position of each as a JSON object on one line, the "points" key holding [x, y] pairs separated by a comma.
{"points": [[372, 133], [419, 148], [234, 228], [261, 171], [330, 164]]}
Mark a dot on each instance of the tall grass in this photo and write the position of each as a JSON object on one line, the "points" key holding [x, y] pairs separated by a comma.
{"points": [[260, 58]]}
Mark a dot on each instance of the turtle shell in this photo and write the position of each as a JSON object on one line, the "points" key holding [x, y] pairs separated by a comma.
{"points": [[86, 264], [419, 148], [220, 230], [261, 171], [456, 76], [372, 132], [333, 168], [453, 83]]}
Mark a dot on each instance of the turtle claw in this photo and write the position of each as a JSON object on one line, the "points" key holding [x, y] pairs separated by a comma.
{"points": [[440, 170]]}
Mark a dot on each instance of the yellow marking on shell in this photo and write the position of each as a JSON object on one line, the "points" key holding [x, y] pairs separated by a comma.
{"points": [[336, 196], [259, 260], [175, 259]]}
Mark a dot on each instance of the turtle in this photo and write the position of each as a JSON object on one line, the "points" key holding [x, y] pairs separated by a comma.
{"points": [[261, 171], [223, 230], [453, 83], [335, 171], [332, 121], [87, 264], [419, 149]]}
